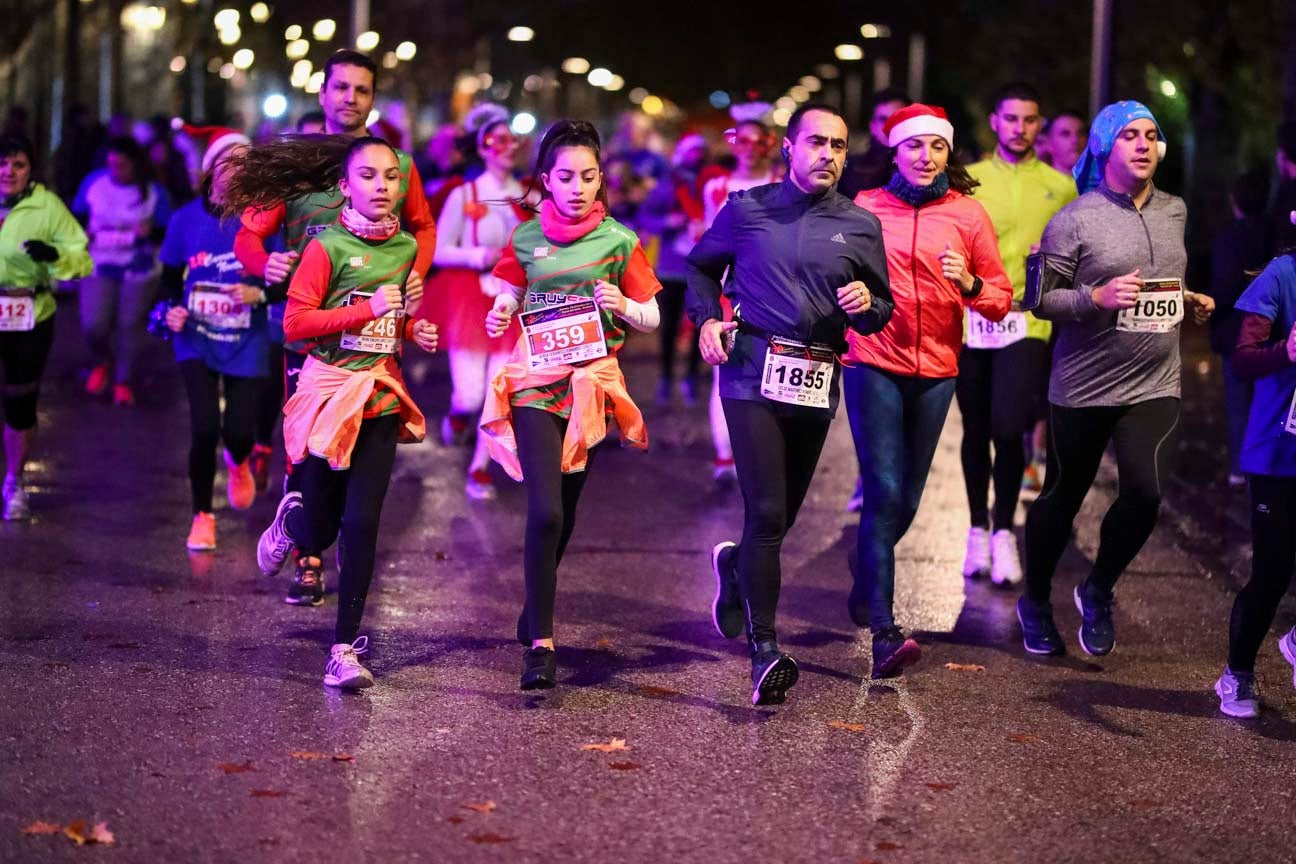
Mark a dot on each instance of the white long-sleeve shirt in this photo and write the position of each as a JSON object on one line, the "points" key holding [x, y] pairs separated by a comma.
{"points": [[460, 242]]}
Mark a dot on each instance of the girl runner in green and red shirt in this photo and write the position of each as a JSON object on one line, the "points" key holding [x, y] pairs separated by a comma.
{"points": [[579, 278], [347, 302]]}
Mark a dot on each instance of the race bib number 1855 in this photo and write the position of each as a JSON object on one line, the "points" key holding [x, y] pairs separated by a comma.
{"points": [[798, 374]]}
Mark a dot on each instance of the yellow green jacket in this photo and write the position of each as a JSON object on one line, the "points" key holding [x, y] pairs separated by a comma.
{"points": [[41, 216], [1021, 199]]}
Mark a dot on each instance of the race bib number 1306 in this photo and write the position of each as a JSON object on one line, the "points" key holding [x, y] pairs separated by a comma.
{"points": [[379, 336]]}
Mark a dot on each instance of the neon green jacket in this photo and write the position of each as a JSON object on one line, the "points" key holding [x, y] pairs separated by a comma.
{"points": [[41, 216], [1021, 199]]}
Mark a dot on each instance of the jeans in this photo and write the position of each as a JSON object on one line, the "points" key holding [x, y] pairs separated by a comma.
{"points": [[896, 423]]}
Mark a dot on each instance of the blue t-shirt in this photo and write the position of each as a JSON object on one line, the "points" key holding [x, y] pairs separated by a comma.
{"points": [[229, 338], [1268, 447]]}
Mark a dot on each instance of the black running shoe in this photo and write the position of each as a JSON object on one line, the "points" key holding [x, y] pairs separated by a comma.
{"points": [[727, 609], [1097, 630], [892, 652], [307, 588], [773, 674], [1039, 634], [539, 669]]}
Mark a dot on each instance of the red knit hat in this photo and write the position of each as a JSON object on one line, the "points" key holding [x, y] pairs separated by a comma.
{"points": [[216, 140], [918, 119]]}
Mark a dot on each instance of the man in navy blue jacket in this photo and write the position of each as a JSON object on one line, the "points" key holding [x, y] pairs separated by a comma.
{"points": [[804, 263]]}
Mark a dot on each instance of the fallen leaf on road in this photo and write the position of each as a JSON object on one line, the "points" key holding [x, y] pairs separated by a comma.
{"points": [[885, 846], [941, 787], [343, 757], [237, 767], [268, 793], [603, 644], [1024, 738], [483, 807], [308, 755], [624, 766], [965, 667], [616, 745], [101, 835], [849, 727], [655, 690], [76, 832], [454, 820], [42, 828], [489, 838]]}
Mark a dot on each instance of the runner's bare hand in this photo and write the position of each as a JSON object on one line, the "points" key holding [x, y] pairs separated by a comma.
{"points": [[280, 266], [425, 335], [385, 299], [176, 317], [609, 296], [854, 299], [711, 340], [1119, 293], [248, 295], [498, 318], [1202, 306]]}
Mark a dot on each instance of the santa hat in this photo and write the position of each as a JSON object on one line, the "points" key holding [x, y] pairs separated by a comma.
{"points": [[918, 119], [747, 112], [217, 139]]}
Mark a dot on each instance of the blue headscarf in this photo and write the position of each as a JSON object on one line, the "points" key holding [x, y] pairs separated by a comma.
{"points": [[1103, 132]]}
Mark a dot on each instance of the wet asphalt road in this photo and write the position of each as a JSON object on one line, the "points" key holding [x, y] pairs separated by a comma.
{"points": [[177, 698]]}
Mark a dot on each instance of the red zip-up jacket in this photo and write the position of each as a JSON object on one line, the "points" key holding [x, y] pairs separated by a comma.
{"points": [[925, 334]]}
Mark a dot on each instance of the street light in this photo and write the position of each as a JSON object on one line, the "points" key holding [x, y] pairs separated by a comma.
{"points": [[652, 105], [301, 73], [1168, 88], [524, 123], [226, 19], [875, 31], [638, 95], [316, 82], [293, 33], [848, 52], [260, 13], [521, 34], [390, 60], [297, 49], [406, 51], [811, 83], [178, 63], [324, 29], [600, 77], [230, 36], [575, 65], [367, 41], [274, 106], [243, 58], [781, 116], [799, 93], [615, 84]]}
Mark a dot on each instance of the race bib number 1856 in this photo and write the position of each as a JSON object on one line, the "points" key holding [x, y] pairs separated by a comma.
{"points": [[984, 333], [798, 374]]}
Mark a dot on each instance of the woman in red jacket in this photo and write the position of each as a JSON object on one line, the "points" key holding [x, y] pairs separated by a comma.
{"points": [[941, 256]]}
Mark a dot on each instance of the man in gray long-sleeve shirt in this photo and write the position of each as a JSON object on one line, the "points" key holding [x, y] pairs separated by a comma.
{"points": [[1118, 251]]}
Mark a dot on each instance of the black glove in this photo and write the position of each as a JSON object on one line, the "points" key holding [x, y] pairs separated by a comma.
{"points": [[41, 252]]}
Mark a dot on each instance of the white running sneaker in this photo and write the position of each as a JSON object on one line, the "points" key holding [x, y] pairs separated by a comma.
{"points": [[976, 563], [1238, 694], [344, 668], [15, 502], [1006, 569], [1287, 645], [275, 545]]}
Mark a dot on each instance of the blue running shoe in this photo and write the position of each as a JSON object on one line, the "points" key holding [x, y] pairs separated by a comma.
{"points": [[1097, 632], [1039, 634]]}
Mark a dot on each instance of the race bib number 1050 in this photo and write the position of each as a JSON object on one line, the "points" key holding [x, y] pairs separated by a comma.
{"points": [[564, 334], [379, 336], [798, 374], [1158, 309]]}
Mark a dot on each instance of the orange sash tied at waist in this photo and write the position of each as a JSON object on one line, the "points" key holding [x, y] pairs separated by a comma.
{"points": [[593, 386], [323, 417]]}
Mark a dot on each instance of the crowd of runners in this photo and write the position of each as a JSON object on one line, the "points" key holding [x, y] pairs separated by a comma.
{"points": [[1042, 288]]}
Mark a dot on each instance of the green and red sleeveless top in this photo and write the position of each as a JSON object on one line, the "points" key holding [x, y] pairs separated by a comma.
{"points": [[358, 267], [553, 273]]}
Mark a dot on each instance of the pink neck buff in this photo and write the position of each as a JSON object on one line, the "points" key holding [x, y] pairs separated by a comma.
{"points": [[367, 229], [564, 229]]}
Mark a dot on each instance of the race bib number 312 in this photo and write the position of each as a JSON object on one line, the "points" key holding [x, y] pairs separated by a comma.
{"points": [[564, 334], [798, 374], [17, 313], [1158, 309]]}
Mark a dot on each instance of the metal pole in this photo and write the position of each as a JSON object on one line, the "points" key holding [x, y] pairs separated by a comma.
{"points": [[917, 65], [1100, 61], [359, 19]]}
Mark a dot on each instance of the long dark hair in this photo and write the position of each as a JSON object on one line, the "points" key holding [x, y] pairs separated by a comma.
{"points": [[559, 136], [295, 165]]}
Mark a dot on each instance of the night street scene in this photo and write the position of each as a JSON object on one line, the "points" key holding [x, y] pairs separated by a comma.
{"points": [[446, 431]]}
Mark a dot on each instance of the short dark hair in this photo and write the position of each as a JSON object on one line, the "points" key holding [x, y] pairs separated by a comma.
{"points": [[1015, 90], [347, 57], [1070, 112], [794, 122], [310, 117], [883, 96], [12, 143], [1251, 192]]}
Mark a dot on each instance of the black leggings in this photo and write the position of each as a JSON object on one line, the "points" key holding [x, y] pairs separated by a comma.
{"points": [[671, 302], [1273, 553], [551, 511], [22, 356], [270, 409], [997, 391], [775, 454], [206, 431], [349, 500], [1146, 436]]}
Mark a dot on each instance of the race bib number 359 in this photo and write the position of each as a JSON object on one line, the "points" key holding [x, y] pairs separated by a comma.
{"points": [[17, 313], [1158, 309], [379, 336], [798, 374], [568, 333]]}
